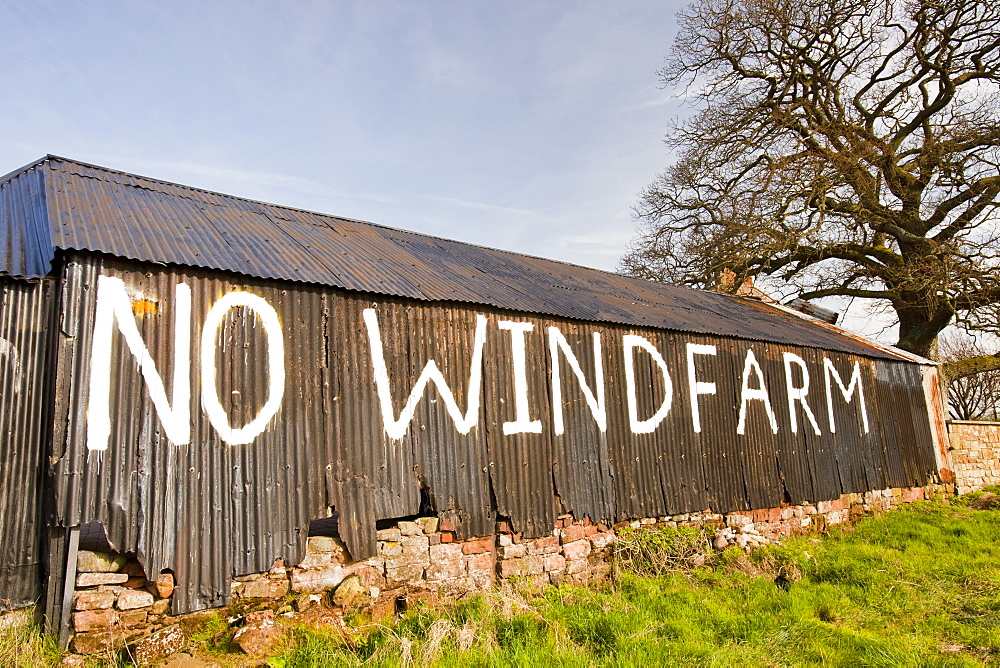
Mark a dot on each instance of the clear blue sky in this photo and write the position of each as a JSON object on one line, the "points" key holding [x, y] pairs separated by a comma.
{"points": [[524, 125], [528, 126]]}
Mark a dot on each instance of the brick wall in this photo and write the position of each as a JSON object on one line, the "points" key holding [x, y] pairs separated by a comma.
{"points": [[420, 559], [975, 454]]}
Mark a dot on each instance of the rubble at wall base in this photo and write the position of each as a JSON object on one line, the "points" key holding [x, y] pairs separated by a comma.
{"points": [[418, 562]]}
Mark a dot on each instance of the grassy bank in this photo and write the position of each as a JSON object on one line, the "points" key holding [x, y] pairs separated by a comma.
{"points": [[917, 586]]}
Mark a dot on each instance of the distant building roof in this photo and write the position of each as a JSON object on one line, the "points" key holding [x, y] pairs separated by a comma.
{"points": [[60, 204]]}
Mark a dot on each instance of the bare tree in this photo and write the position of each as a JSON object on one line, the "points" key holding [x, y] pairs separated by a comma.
{"points": [[971, 397], [842, 147]]}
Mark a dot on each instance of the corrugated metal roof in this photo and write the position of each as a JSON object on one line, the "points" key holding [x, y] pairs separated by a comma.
{"points": [[60, 204]]}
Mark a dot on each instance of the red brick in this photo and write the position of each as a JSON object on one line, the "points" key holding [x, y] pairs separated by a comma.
{"points": [[446, 525], [573, 533], [93, 600], [91, 620], [589, 530], [477, 546], [546, 542], [554, 562], [578, 550], [480, 562], [447, 537], [511, 567]]}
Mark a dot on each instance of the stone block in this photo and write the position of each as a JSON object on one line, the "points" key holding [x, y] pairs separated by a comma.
{"points": [[554, 562], [97, 579], [99, 562], [317, 581], [158, 646], [164, 585], [350, 592], [573, 533], [428, 525], [445, 569], [576, 566], [94, 620], [409, 528], [414, 545], [103, 642], [161, 607], [93, 600], [393, 534], [319, 544], [478, 546], [134, 618], [540, 545], [390, 549], [384, 607], [578, 550], [404, 572], [600, 571], [130, 599], [266, 588], [511, 568], [260, 637], [371, 575], [480, 562], [532, 565], [318, 560], [514, 551], [445, 551], [599, 541]]}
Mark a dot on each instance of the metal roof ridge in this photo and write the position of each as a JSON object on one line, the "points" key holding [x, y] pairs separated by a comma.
{"points": [[884, 347], [10, 176], [330, 216]]}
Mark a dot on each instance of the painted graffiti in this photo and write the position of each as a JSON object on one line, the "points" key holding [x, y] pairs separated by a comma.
{"points": [[753, 384], [114, 310], [804, 397]]}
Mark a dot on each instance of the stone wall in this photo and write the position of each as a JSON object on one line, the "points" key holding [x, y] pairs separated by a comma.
{"points": [[420, 559], [975, 454]]}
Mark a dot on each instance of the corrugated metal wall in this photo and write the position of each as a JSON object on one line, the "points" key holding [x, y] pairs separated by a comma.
{"points": [[25, 424], [209, 510]]}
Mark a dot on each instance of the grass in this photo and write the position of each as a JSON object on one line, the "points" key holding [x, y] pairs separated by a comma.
{"points": [[22, 646], [917, 586]]}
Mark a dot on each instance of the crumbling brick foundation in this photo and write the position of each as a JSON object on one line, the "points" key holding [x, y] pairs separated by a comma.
{"points": [[421, 559]]}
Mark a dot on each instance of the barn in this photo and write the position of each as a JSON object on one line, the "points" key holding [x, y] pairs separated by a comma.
{"points": [[201, 378]]}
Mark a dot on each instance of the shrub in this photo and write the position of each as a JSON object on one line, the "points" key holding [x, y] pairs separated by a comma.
{"points": [[659, 549]]}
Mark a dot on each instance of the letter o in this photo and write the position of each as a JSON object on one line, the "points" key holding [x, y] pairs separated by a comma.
{"points": [[276, 367]]}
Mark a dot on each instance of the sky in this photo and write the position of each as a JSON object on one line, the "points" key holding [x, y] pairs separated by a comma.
{"points": [[527, 126]]}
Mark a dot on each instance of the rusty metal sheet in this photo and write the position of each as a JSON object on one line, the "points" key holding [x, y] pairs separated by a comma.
{"points": [[26, 249], [68, 205], [391, 407], [26, 331]]}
